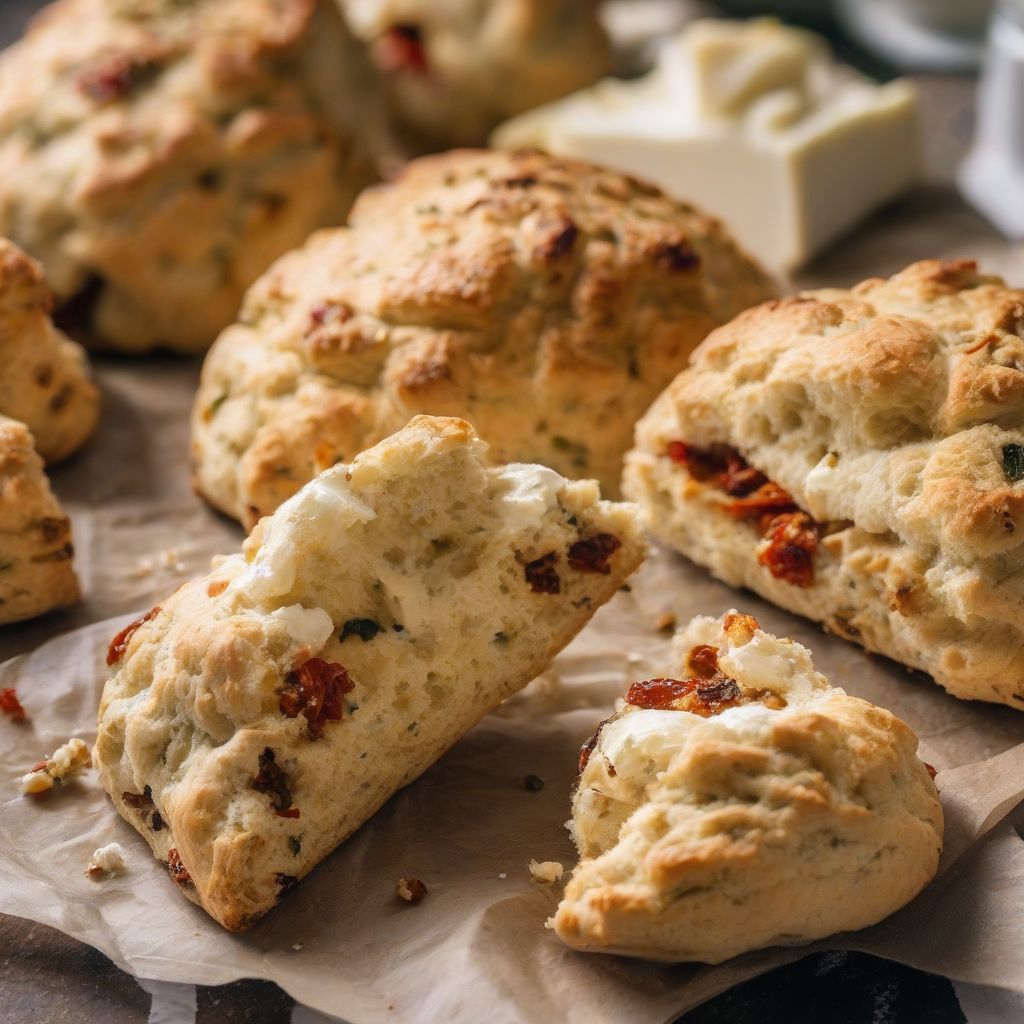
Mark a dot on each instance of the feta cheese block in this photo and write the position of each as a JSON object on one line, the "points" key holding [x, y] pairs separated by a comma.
{"points": [[365, 626], [752, 121], [745, 803]]}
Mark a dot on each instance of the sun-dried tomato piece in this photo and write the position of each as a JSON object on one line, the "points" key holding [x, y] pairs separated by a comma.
{"points": [[659, 694], [316, 690], [768, 499], [10, 705], [272, 780], [139, 801], [704, 697], [588, 748], [120, 642], [177, 870], [930, 769], [791, 541], [401, 49], [592, 553], [113, 77], [542, 576], [703, 661]]}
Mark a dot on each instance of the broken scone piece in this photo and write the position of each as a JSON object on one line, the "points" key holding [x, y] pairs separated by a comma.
{"points": [[263, 713], [36, 573], [747, 803]]}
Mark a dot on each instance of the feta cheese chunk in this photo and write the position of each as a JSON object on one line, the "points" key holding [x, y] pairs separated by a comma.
{"points": [[107, 860], [752, 121], [66, 762]]}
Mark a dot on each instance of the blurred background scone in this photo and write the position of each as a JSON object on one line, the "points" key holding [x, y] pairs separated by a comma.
{"points": [[545, 300], [857, 456], [45, 378], [456, 68], [157, 156], [36, 573]]}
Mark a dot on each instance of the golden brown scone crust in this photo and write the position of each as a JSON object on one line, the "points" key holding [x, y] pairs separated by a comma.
{"points": [[545, 300], [792, 814], [157, 156], [892, 413], [36, 573], [45, 378], [440, 584], [457, 69]]}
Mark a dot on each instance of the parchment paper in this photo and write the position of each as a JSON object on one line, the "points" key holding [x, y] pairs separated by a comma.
{"points": [[476, 948]]}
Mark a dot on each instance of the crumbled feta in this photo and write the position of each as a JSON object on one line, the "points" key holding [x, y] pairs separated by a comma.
{"points": [[107, 860], [546, 871], [66, 762], [532, 492]]}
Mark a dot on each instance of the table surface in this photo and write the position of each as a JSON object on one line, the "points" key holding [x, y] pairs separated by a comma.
{"points": [[47, 977]]}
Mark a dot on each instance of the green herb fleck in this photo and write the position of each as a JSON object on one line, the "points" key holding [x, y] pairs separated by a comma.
{"points": [[500, 638], [295, 845], [1013, 462], [365, 629]]}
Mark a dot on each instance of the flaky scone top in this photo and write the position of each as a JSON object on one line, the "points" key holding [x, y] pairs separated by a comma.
{"points": [[545, 300]]}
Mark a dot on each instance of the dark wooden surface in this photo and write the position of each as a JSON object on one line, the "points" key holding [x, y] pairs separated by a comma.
{"points": [[46, 977]]}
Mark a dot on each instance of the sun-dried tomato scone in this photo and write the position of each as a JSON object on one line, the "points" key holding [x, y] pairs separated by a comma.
{"points": [[857, 456], [158, 155], [36, 571], [262, 713], [744, 803], [45, 378], [458, 68], [546, 301]]}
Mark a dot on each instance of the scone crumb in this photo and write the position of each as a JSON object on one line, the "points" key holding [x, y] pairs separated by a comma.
{"points": [[411, 890], [11, 706], [107, 860], [546, 871], [665, 623], [66, 762]]}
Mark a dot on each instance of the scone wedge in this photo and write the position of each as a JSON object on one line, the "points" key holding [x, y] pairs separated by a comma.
{"points": [[857, 456], [746, 803], [36, 571], [367, 625]]}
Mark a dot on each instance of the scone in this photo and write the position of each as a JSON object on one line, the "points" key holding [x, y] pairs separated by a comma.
{"points": [[367, 625], [546, 301], [456, 69], [36, 572], [857, 456], [45, 379], [158, 155], [745, 804]]}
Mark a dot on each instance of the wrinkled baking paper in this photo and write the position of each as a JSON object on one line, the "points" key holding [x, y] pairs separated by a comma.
{"points": [[476, 947]]}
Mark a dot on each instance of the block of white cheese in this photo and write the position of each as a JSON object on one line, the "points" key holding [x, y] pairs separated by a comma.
{"points": [[753, 121]]}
